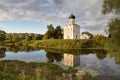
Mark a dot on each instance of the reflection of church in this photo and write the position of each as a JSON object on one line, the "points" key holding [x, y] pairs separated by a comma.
{"points": [[71, 60]]}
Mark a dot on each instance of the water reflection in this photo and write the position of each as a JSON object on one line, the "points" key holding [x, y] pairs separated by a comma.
{"points": [[95, 59], [16, 49], [57, 54], [71, 60], [115, 55], [51, 56]]}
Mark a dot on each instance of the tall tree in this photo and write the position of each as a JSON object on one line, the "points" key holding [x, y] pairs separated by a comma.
{"points": [[114, 30], [113, 6], [58, 33], [50, 33]]}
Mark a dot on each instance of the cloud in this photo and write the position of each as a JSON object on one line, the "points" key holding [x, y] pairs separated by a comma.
{"points": [[87, 12]]}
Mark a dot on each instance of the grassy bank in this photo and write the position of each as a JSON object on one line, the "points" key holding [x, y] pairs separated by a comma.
{"points": [[59, 43], [67, 44], [18, 70]]}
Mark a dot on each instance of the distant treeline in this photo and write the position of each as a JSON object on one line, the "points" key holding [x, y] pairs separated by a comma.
{"points": [[22, 36], [51, 33]]}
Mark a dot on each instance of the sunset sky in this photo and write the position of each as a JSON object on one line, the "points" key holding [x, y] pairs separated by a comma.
{"points": [[33, 16]]}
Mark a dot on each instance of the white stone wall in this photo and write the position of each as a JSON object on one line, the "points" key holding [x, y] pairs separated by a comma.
{"points": [[72, 31]]}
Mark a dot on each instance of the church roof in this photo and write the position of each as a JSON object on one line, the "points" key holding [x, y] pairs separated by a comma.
{"points": [[71, 16]]}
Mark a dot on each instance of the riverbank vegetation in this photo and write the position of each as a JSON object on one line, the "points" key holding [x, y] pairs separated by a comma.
{"points": [[18, 70], [113, 28], [96, 41], [68, 44], [53, 38]]}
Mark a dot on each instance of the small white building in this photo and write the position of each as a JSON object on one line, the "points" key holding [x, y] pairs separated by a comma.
{"points": [[84, 36], [72, 30]]}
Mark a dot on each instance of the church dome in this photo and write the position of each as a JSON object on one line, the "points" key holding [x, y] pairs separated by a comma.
{"points": [[71, 16]]}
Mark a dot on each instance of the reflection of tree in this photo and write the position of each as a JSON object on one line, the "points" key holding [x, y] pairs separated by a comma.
{"points": [[77, 51], [2, 52], [116, 55], [54, 56], [27, 48], [101, 54], [15, 49]]}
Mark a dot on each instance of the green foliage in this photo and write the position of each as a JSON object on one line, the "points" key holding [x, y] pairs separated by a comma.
{"points": [[58, 33], [116, 55], [23, 36], [100, 40], [67, 44], [48, 35], [114, 30], [53, 33], [15, 38], [111, 6], [2, 35], [17, 70]]}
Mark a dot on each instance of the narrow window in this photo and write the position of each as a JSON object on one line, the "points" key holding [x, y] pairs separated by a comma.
{"points": [[76, 36]]}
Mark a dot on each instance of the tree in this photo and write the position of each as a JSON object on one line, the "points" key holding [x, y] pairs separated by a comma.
{"points": [[113, 6], [58, 33], [15, 38], [27, 37], [100, 40], [114, 30], [50, 33], [2, 35], [50, 27]]}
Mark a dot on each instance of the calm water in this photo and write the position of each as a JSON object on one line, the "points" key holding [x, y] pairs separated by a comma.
{"points": [[107, 64]]}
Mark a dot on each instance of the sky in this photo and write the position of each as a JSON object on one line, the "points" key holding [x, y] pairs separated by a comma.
{"points": [[33, 16]]}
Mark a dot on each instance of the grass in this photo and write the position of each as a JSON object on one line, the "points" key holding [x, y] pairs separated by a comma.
{"points": [[58, 43], [66, 44], [18, 70]]}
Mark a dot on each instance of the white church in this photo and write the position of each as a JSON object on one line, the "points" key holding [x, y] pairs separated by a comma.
{"points": [[72, 30]]}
